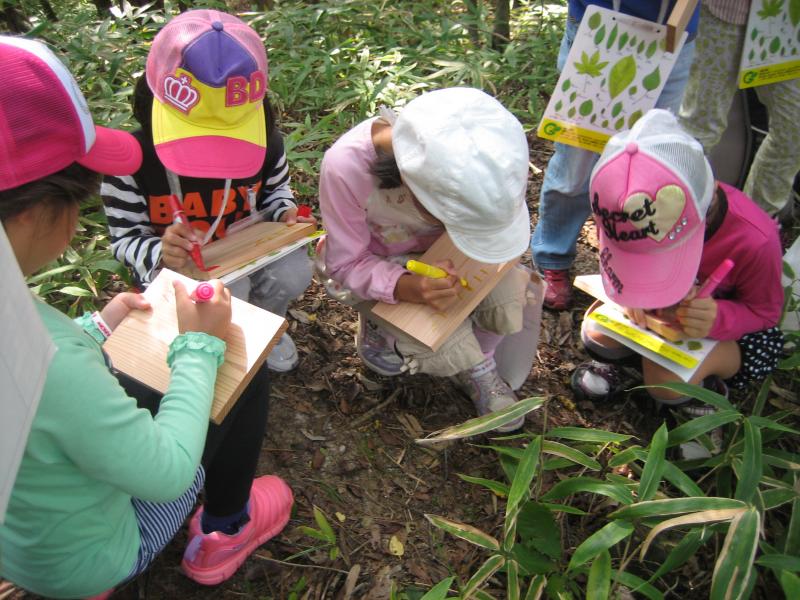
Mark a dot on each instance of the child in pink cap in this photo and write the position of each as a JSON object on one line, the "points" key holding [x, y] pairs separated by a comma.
{"points": [[664, 224], [103, 485]]}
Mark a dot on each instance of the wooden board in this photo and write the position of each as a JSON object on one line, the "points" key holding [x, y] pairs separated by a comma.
{"points": [[678, 19], [237, 249], [592, 285], [138, 346], [432, 327]]}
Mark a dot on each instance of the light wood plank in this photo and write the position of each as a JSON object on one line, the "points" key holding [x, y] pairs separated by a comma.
{"points": [[678, 19], [432, 327], [138, 346], [237, 249]]}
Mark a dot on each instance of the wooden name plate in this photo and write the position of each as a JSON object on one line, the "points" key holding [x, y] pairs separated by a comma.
{"points": [[432, 327], [237, 249], [138, 346]]}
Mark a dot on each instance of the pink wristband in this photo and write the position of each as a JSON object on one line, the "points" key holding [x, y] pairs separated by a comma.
{"points": [[101, 325]]}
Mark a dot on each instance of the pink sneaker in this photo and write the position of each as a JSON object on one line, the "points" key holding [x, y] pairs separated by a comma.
{"points": [[212, 558], [558, 295]]}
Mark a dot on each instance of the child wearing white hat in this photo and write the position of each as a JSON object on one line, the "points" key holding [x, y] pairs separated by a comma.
{"points": [[455, 160]]}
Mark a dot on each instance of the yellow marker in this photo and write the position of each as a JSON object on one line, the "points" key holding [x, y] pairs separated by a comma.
{"points": [[426, 270]]}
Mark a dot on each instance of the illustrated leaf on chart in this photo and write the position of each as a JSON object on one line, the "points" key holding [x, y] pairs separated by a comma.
{"points": [[571, 112], [565, 85], [605, 124], [794, 12], [590, 65], [616, 109], [763, 55], [559, 104], [601, 33], [651, 49], [572, 96], [594, 21], [633, 89], [640, 48], [621, 76], [623, 39], [612, 37], [775, 45], [751, 55], [754, 34], [593, 119], [770, 8], [633, 118], [652, 80], [633, 42], [620, 123]]}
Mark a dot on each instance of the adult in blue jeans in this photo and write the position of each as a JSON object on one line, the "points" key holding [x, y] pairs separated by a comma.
{"points": [[564, 198]]}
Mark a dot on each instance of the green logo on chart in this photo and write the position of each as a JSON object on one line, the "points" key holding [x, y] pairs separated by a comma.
{"points": [[551, 128], [749, 77]]}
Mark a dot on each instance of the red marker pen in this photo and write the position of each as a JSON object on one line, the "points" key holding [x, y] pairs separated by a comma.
{"points": [[304, 210], [203, 292], [178, 216], [710, 284]]}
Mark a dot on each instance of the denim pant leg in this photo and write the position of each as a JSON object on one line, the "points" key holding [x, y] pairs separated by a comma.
{"points": [[564, 197]]}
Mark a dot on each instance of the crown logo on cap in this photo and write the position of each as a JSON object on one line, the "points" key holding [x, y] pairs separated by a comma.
{"points": [[180, 93]]}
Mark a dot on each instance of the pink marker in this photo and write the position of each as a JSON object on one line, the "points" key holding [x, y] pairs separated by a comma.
{"points": [[710, 284], [203, 292]]}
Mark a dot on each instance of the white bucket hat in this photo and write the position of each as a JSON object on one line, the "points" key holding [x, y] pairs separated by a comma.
{"points": [[465, 158]]}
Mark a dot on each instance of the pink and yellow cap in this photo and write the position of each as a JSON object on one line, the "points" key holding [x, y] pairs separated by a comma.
{"points": [[208, 74]]}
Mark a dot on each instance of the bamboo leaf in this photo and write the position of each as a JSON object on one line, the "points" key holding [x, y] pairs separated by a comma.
{"points": [[571, 454], [600, 540], [706, 516], [599, 583], [536, 588], [580, 434], [72, 290], [700, 393], [324, 526], [314, 533], [588, 484], [488, 569], [465, 532], [621, 75], [512, 580], [783, 562], [700, 425], [638, 585], [682, 552], [520, 487], [498, 488], [439, 591], [792, 544], [654, 466], [750, 471], [484, 423], [734, 566], [790, 584], [675, 506]]}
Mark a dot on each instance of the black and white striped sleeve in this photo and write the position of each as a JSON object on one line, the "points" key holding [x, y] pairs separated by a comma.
{"points": [[133, 239], [276, 196]]}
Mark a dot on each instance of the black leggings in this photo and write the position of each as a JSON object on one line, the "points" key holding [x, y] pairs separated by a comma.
{"points": [[232, 448]]}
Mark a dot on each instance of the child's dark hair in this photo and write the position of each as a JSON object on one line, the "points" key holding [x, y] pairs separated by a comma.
{"points": [[69, 186], [142, 105], [386, 170]]}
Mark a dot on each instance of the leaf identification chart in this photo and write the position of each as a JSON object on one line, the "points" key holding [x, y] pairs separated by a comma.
{"points": [[614, 73], [771, 51]]}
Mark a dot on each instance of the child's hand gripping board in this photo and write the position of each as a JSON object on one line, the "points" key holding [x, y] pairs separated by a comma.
{"points": [[432, 327], [138, 346], [236, 250]]}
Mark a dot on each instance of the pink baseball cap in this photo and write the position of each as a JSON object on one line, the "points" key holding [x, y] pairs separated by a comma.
{"points": [[650, 192], [208, 74], [45, 124]]}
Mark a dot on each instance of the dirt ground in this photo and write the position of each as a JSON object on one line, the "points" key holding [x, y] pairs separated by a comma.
{"points": [[342, 437]]}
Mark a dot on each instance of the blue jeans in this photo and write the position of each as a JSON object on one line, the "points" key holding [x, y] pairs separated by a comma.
{"points": [[564, 198]]}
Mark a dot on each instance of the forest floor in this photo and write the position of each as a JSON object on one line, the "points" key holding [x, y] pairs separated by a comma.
{"points": [[343, 438]]}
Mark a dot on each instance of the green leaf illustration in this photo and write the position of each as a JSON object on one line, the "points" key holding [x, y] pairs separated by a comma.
{"points": [[634, 117], [775, 45], [763, 55], [621, 76], [586, 108], [605, 124], [620, 123], [592, 120], [601, 33], [572, 96], [770, 8], [633, 41], [616, 110], [623, 39], [594, 21], [565, 85], [559, 104], [694, 345], [641, 47], [590, 65], [794, 12], [651, 49], [633, 89], [652, 81], [612, 37], [571, 112], [752, 54], [754, 34]]}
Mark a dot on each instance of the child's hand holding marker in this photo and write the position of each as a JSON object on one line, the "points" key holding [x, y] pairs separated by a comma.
{"points": [[698, 311], [119, 307], [180, 241], [436, 285], [301, 214], [212, 316]]}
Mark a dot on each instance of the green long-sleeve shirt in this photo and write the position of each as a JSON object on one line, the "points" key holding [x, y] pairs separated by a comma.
{"points": [[70, 528]]}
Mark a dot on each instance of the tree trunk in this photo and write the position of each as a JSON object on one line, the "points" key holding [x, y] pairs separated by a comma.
{"points": [[502, 30], [473, 20]]}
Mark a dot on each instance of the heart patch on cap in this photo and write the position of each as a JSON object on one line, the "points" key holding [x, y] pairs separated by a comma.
{"points": [[665, 212]]}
